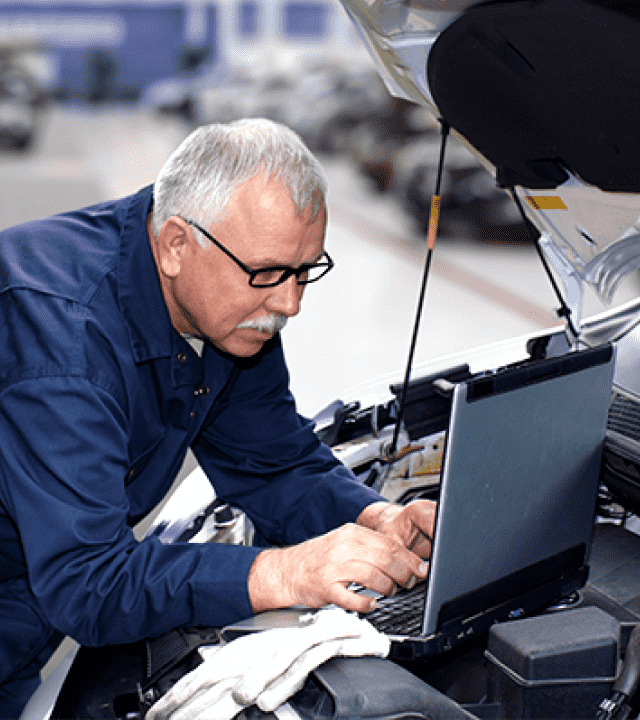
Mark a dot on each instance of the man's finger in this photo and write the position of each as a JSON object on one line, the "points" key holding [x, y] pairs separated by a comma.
{"points": [[352, 601], [392, 565], [421, 544]]}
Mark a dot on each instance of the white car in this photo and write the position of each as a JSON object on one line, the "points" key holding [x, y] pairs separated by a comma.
{"points": [[547, 94]]}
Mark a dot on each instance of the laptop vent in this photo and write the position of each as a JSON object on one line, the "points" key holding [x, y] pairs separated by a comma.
{"points": [[624, 416], [620, 470]]}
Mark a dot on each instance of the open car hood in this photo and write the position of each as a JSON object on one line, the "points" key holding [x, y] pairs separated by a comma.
{"points": [[546, 94]]}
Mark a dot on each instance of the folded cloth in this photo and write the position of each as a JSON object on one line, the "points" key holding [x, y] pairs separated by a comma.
{"points": [[266, 668]]}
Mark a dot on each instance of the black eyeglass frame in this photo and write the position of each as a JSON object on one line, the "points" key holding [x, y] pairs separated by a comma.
{"points": [[286, 270]]}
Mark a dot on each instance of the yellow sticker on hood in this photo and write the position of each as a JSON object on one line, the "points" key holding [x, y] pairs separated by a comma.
{"points": [[546, 202]]}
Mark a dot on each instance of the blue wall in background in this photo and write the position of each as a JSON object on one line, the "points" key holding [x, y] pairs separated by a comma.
{"points": [[111, 50]]}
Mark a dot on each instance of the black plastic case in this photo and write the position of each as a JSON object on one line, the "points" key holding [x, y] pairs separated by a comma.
{"points": [[556, 666]]}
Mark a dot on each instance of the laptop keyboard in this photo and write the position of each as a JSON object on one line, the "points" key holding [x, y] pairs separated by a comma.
{"points": [[401, 614]]}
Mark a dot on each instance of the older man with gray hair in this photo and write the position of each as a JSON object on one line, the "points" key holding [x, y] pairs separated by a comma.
{"points": [[134, 330]]}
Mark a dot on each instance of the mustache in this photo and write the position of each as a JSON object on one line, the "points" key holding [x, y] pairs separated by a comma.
{"points": [[270, 324]]}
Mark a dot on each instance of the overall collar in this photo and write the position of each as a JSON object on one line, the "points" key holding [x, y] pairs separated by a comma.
{"points": [[139, 291]]}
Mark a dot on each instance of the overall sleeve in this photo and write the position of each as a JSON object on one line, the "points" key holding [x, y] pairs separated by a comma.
{"points": [[265, 458], [63, 469]]}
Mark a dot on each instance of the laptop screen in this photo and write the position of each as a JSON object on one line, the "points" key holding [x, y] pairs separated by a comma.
{"points": [[519, 479]]}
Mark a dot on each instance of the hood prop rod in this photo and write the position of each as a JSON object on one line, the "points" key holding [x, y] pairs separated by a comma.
{"points": [[434, 217]]}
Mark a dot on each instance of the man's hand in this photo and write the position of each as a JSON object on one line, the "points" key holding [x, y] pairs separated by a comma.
{"points": [[375, 553], [411, 525]]}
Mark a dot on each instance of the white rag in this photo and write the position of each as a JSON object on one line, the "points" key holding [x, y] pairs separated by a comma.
{"points": [[266, 668]]}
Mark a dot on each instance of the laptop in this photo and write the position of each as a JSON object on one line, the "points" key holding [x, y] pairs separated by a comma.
{"points": [[519, 481]]}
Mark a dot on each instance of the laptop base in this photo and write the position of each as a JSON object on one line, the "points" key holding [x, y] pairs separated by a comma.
{"points": [[457, 632]]}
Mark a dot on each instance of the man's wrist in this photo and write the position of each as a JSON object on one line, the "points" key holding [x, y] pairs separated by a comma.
{"points": [[264, 584]]}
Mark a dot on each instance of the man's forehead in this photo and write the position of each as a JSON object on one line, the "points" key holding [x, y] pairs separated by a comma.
{"points": [[271, 199], [262, 220]]}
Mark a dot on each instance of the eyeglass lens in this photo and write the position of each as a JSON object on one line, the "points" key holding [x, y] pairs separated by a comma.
{"points": [[304, 275]]}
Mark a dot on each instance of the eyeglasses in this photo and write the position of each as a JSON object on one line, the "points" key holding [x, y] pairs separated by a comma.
{"points": [[277, 274]]}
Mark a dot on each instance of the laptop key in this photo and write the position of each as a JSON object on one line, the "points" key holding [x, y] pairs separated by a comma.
{"points": [[401, 614]]}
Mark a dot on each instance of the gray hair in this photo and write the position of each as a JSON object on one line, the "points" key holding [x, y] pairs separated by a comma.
{"points": [[201, 176]]}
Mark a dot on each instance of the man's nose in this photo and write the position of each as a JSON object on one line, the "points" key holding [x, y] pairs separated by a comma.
{"points": [[285, 298]]}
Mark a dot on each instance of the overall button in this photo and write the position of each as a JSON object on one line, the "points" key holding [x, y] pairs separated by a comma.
{"points": [[182, 356], [204, 390]]}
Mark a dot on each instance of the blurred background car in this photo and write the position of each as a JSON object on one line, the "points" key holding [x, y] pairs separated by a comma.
{"points": [[331, 102], [17, 121], [22, 99], [182, 95]]}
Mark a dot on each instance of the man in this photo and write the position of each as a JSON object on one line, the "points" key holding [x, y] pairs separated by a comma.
{"points": [[133, 330]]}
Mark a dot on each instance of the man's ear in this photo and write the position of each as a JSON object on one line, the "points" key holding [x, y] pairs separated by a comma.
{"points": [[172, 244]]}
